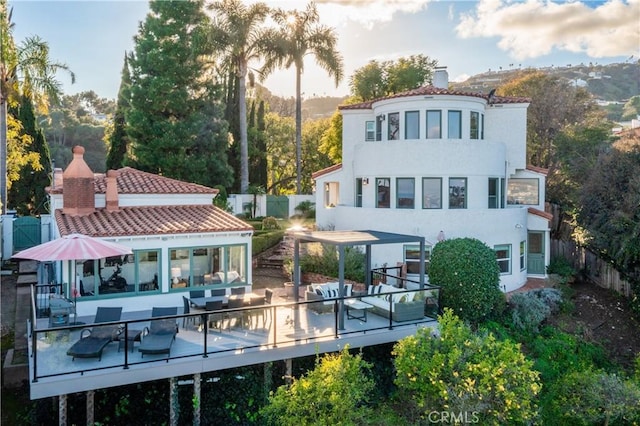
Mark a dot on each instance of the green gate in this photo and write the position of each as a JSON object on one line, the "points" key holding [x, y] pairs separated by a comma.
{"points": [[26, 233], [278, 206]]}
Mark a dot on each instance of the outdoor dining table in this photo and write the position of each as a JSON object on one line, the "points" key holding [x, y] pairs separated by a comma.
{"points": [[201, 302]]}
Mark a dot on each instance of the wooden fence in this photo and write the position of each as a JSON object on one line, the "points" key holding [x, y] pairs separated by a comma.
{"points": [[593, 267]]}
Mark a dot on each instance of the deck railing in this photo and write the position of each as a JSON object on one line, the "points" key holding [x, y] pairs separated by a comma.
{"points": [[54, 346]]}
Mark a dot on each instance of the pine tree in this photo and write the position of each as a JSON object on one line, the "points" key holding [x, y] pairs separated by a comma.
{"points": [[117, 139], [175, 121], [27, 195]]}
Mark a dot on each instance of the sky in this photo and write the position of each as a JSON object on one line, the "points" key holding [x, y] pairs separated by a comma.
{"points": [[468, 37]]}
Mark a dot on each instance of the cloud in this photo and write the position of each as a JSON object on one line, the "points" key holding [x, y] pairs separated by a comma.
{"points": [[534, 28], [366, 12]]}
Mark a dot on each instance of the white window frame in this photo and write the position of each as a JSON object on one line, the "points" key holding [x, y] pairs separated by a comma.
{"points": [[413, 262], [370, 131], [503, 260]]}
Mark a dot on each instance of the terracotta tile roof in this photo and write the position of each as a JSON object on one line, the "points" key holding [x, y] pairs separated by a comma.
{"points": [[430, 91], [537, 169], [151, 220], [540, 213], [133, 181], [326, 170]]}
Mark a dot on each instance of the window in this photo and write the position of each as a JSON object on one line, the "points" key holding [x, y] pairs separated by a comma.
{"points": [[455, 124], [431, 193], [412, 125], [523, 191], [370, 131], [379, 120], [412, 258], [457, 193], [358, 192], [475, 125], [383, 186], [147, 270], [405, 193], [394, 126], [482, 126], [523, 263], [331, 190], [494, 193], [434, 124], [503, 255]]}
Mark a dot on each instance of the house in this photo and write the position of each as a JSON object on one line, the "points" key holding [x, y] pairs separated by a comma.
{"points": [[440, 163], [180, 240]]}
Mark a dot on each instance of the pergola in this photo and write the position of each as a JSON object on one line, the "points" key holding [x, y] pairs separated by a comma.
{"points": [[342, 239]]}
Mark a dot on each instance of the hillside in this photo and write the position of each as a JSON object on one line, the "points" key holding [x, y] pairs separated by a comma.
{"points": [[613, 82]]}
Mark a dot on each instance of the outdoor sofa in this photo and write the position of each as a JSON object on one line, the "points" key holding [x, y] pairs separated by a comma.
{"points": [[389, 300], [325, 294]]}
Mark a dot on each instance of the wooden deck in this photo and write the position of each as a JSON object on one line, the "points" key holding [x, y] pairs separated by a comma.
{"points": [[290, 331]]}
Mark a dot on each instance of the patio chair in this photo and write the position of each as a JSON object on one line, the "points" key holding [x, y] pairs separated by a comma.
{"points": [[187, 310], [193, 294], [215, 316], [234, 303], [218, 292], [159, 336], [93, 340], [238, 291]]}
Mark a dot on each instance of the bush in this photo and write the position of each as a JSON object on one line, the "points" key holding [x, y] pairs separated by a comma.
{"points": [[460, 371], [561, 266], [530, 308], [306, 209], [263, 242], [596, 397], [468, 273], [335, 392], [270, 223], [326, 262]]}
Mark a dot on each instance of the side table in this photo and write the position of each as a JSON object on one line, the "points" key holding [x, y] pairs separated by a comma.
{"points": [[131, 337]]}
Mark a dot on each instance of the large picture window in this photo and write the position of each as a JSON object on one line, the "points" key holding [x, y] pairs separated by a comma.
{"points": [[393, 126], [523, 191], [207, 266], [412, 125], [431, 193], [434, 124], [383, 186], [454, 124], [503, 256], [457, 193], [405, 193]]}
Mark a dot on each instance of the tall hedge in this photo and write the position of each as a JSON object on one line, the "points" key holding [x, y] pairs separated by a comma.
{"points": [[467, 271]]}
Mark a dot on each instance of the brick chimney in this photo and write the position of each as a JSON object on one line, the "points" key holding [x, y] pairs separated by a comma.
{"points": [[112, 191], [78, 188]]}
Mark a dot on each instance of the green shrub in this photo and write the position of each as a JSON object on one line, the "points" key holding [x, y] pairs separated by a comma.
{"points": [[595, 397], [306, 209], [335, 392], [530, 308], [326, 262], [263, 242], [561, 266], [467, 271], [462, 371], [270, 223]]}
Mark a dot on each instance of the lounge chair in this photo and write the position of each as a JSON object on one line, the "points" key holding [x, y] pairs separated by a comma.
{"points": [[93, 340], [159, 336]]}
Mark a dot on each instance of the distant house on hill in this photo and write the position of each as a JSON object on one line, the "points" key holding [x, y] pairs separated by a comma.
{"points": [[180, 241], [440, 163]]}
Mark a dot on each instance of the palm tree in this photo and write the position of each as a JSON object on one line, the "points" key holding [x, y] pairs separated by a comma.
{"points": [[24, 70], [301, 35], [237, 32]]}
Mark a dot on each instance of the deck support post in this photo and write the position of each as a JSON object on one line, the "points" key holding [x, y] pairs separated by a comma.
{"points": [[288, 375], [62, 410], [174, 408], [90, 405], [196, 398]]}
